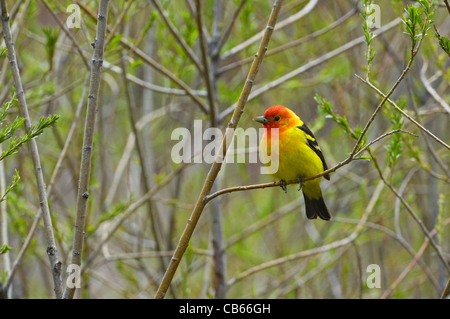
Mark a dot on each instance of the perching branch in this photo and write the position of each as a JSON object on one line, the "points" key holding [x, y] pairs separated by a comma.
{"points": [[349, 159], [85, 168]]}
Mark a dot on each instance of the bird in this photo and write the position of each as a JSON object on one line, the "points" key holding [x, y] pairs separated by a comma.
{"points": [[299, 156]]}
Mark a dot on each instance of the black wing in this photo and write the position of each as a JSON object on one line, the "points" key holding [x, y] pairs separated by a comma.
{"points": [[315, 147]]}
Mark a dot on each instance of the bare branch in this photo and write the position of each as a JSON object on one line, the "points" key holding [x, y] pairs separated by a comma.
{"points": [[55, 264], [447, 5], [88, 141]]}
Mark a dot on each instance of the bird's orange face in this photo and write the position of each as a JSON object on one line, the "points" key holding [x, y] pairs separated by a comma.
{"points": [[278, 117]]}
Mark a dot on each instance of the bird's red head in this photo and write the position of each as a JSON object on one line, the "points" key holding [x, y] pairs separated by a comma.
{"points": [[278, 117]]}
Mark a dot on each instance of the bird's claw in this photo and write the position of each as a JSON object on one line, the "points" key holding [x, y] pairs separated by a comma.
{"points": [[301, 182], [283, 185]]}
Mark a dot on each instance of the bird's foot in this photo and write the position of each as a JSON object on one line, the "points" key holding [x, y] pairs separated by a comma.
{"points": [[301, 182], [283, 185]]}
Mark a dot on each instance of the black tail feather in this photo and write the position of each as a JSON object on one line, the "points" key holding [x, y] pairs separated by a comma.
{"points": [[316, 207]]}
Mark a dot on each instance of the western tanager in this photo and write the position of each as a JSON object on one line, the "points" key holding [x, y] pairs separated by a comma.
{"points": [[299, 156]]}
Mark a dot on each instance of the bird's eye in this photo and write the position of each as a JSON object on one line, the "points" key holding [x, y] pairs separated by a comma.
{"points": [[277, 118]]}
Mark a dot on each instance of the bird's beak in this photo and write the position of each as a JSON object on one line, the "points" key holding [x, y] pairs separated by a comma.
{"points": [[261, 119]]}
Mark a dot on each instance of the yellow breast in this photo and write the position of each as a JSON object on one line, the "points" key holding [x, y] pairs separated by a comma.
{"points": [[292, 153]]}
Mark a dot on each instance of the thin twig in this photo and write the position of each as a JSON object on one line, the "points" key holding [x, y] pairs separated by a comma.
{"points": [[191, 7], [446, 292], [402, 242], [189, 52], [230, 25], [206, 70], [158, 67], [430, 148], [69, 138], [5, 292], [386, 97], [447, 5], [146, 254], [404, 113], [274, 216], [16, 28], [55, 174], [148, 85], [119, 20]]}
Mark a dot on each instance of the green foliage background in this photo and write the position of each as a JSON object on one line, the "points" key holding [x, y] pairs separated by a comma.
{"points": [[53, 75]]}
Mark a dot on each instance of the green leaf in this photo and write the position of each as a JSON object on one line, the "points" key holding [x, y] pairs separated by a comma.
{"points": [[51, 37], [16, 143], [115, 41], [443, 41], [2, 52], [364, 157], [5, 248], [14, 182]]}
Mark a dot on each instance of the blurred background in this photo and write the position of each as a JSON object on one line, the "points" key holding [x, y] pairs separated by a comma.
{"points": [[249, 244]]}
